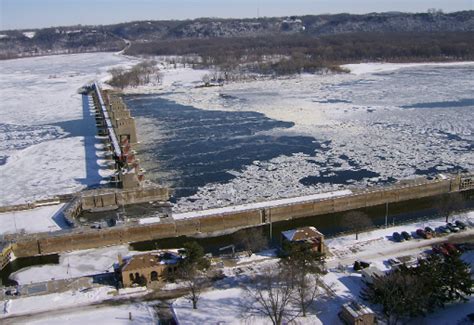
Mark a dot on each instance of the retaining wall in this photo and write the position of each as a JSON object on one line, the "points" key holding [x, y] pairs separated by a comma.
{"points": [[91, 238]]}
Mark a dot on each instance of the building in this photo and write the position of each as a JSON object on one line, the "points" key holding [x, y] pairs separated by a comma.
{"points": [[354, 313], [305, 235], [368, 274], [148, 269], [5, 254]]}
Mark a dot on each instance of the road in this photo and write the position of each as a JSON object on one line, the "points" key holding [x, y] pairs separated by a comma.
{"points": [[413, 246]]}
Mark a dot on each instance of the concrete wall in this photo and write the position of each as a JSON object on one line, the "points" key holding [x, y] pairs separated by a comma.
{"points": [[90, 238], [110, 197]]}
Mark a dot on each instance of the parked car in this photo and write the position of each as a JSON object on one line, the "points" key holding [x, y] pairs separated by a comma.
{"points": [[421, 233], [452, 227], [406, 235], [460, 224], [397, 237], [429, 230], [359, 265], [443, 230]]}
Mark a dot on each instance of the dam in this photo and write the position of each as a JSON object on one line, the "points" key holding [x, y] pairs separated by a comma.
{"points": [[128, 186]]}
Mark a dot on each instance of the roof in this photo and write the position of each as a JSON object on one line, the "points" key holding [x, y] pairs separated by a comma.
{"points": [[371, 271], [356, 309], [302, 234], [151, 259]]}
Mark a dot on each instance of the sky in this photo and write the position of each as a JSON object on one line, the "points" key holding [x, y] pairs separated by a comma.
{"points": [[24, 14]]}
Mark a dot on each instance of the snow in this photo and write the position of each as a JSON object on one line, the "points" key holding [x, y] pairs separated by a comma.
{"points": [[74, 264], [251, 206], [141, 314], [55, 301], [451, 314], [172, 79], [60, 166], [222, 307], [222, 302], [48, 132], [29, 34], [375, 67], [42, 219]]}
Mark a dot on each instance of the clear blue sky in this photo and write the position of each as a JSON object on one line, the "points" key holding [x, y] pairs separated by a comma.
{"points": [[16, 14]]}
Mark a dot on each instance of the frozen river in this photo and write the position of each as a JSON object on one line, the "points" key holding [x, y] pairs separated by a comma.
{"points": [[279, 138]]}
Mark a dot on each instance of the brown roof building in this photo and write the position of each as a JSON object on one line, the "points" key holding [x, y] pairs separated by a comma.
{"points": [[148, 269], [305, 235]]}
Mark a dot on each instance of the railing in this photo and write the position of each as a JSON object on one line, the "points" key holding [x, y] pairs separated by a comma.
{"points": [[108, 122]]}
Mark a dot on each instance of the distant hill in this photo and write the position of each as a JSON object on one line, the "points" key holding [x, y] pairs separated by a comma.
{"points": [[77, 39]]}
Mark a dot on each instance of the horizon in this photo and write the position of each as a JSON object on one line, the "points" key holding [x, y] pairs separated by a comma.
{"points": [[37, 14]]}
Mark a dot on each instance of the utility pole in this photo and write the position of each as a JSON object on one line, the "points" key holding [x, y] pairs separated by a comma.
{"points": [[271, 228]]}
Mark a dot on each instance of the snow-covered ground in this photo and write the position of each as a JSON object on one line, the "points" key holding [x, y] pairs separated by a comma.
{"points": [[56, 301], [77, 308], [42, 219], [394, 120], [74, 264], [116, 315], [223, 306], [375, 67], [48, 133], [223, 302]]}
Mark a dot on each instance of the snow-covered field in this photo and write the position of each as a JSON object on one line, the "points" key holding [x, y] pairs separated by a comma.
{"points": [[48, 143], [74, 264], [77, 308], [394, 120], [54, 301], [42, 219], [116, 315]]}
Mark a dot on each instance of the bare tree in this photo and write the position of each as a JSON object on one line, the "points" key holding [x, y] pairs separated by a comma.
{"points": [[270, 295], [251, 240], [301, 265], [194, 281], [306, 290], [356, 221], [449, 204]]}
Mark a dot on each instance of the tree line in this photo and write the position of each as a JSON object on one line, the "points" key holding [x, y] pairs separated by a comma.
{"points": [[288, 54], [140, 74]]}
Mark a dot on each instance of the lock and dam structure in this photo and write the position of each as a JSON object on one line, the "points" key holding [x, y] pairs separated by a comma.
{"points": [[117, 126]]}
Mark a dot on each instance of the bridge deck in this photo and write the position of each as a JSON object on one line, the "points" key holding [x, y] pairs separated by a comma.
{"points": [[110, 128]]}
